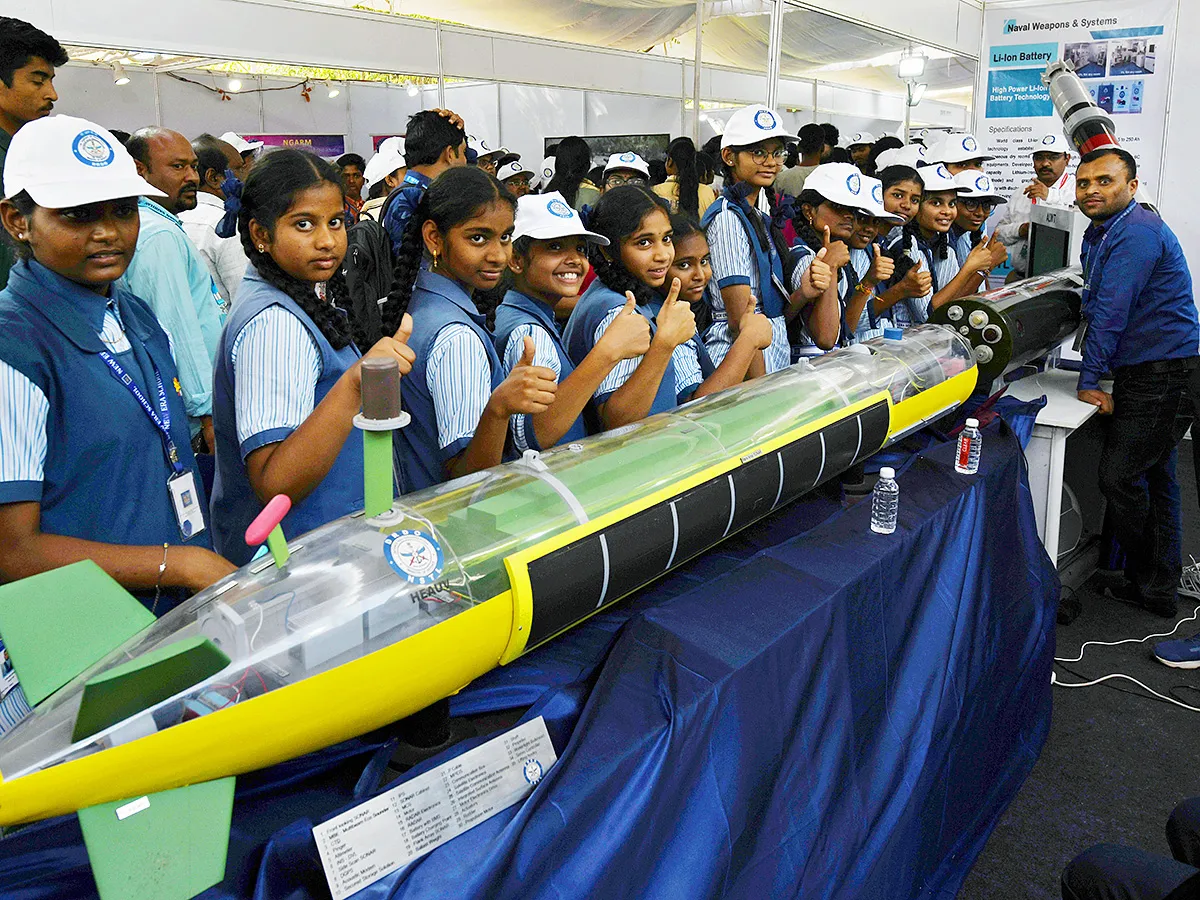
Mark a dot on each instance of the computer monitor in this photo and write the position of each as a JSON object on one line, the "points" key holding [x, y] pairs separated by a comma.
{"points": [[1055, 237]]}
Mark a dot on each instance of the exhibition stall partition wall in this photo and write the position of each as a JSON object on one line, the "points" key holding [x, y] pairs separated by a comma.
{"points": [[512, 89]]}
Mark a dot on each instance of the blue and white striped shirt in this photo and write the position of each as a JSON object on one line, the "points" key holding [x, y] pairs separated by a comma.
{"points": [[459, 376], [24, 410], [545, 353], [688, 375], [806, 345], [861, 260], [730, 254], [278, 365]]}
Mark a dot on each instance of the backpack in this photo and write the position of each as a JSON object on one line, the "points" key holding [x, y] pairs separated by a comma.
{"points": [[368, 272]]}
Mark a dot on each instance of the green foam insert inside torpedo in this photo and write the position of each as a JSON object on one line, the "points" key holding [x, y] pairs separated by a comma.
{"points": [[127, 689], [167, 846], [57, 624]]}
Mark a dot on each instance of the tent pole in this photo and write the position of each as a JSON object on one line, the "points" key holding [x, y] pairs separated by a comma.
{"points": [[696, 72], [774, 52], [441, 69], [908, 110]]}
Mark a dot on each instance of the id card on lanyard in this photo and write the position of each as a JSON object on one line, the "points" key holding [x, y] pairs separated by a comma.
{"points": [[1090, 258], [181, 484]]}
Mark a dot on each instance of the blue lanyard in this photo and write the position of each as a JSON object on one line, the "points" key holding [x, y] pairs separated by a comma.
{"points": [[161, 422], [1093, 254]]}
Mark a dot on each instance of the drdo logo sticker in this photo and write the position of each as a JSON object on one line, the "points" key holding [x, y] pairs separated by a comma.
{"points": [[532, 770], [558, 208], [414, 556], [877, 193], [764, 119], [92, 150], [628, 157], [854, 183], [969, 144], [982, 183]]}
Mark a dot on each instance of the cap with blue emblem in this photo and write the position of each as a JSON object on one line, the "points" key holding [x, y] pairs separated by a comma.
{"points": [[62, 161], [977, 186], [753, 124], [627, 160], [546, 216], [957, 148], [938, 178], [1053, 143]]}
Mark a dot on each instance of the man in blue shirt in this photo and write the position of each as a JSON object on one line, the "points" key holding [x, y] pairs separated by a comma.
{"points": [[435, 142], [169, 274], [1141, 327]]}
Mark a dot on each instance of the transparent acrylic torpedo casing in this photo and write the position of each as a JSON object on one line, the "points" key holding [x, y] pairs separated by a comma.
{"points": [[411, 592]]}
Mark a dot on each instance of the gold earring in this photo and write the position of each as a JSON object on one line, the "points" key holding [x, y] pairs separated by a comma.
{"points": [[20, 236], [435, 260], [261, 248]]}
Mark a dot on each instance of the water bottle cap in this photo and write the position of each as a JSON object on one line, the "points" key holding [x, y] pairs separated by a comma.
{"points": [[972, 423], [887, 472], [892, 334]]}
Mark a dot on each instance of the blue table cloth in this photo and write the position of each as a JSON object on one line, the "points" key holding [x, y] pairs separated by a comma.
{"points": [[811, 710]]}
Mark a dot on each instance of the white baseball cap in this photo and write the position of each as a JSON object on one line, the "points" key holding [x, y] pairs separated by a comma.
{"points": [[1053, 143], [938, 178], [859, 138], [507, 156], [512, 169], [957, 148], [911, 155], [62, 161], [386, 160], [873, 194], [627, 160], [840, 183], [482, 148], [977, 186], [753, 124], [545, 216], [546, 175], [239, 143]]}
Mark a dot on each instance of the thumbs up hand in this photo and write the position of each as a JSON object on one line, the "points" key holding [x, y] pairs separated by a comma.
{"points": [[882, 267], [395, 347], [819, 272], [676, 322], [528, 388], [628, 335]]}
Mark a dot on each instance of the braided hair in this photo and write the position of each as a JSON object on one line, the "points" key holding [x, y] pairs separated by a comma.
{"points": [[269, 191], [572, 159], [618, 214], [454, 196], [682, 153], [808, 233]]}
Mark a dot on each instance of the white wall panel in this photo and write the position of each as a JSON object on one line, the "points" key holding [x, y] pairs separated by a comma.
{"points": [[190, 109], [528, 115], [287, 113], [89, 93], [1179, 198], [625, 114], [377, 109]]}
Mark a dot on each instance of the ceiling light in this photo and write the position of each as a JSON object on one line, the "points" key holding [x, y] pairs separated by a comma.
{"points": [[235, 85], [911, 66], [119, 76], [916, 92], [334, 89], [412, 89]]}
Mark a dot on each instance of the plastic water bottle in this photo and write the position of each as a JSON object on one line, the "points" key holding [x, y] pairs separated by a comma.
{"points": [[970, 444], [885, 502]]}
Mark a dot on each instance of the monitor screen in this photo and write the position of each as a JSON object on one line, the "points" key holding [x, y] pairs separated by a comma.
{"points": [[1048, 249]]}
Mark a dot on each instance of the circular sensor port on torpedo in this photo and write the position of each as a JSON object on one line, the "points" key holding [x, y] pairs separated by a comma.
{"points": [[954, 313], [992, 333], [978, 318]]}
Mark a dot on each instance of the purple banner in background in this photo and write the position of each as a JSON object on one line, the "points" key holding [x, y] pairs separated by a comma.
{"points": [[331, 146]]}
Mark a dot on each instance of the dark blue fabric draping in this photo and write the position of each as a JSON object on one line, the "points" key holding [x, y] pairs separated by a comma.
{"points": [[810, 710]]}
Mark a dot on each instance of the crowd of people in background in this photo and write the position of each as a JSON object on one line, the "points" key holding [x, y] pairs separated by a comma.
{"points": [[220, 295]]}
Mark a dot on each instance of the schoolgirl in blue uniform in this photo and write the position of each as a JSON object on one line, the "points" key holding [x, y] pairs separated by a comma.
{"points": [[834, 196], [633, 269], [924, 239], [976, 201], [457, 393], [750, 257], [692, 266], [95, 452], [871, 266], [287, 382], [549, 262], [903, 300]]}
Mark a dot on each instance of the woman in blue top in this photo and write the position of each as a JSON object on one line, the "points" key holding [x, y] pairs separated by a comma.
{"points": [[95, 454], [631, 271], [288, 382], [457, 394], [548, 264]]}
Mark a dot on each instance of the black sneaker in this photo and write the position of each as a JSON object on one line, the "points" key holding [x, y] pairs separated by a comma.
{"points": [[1128, 594]]}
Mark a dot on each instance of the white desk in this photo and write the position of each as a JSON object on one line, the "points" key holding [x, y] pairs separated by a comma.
{"points": [[1047, 451]]}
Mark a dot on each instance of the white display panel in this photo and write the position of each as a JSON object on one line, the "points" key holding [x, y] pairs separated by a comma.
{"points": [[531, 114]]}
